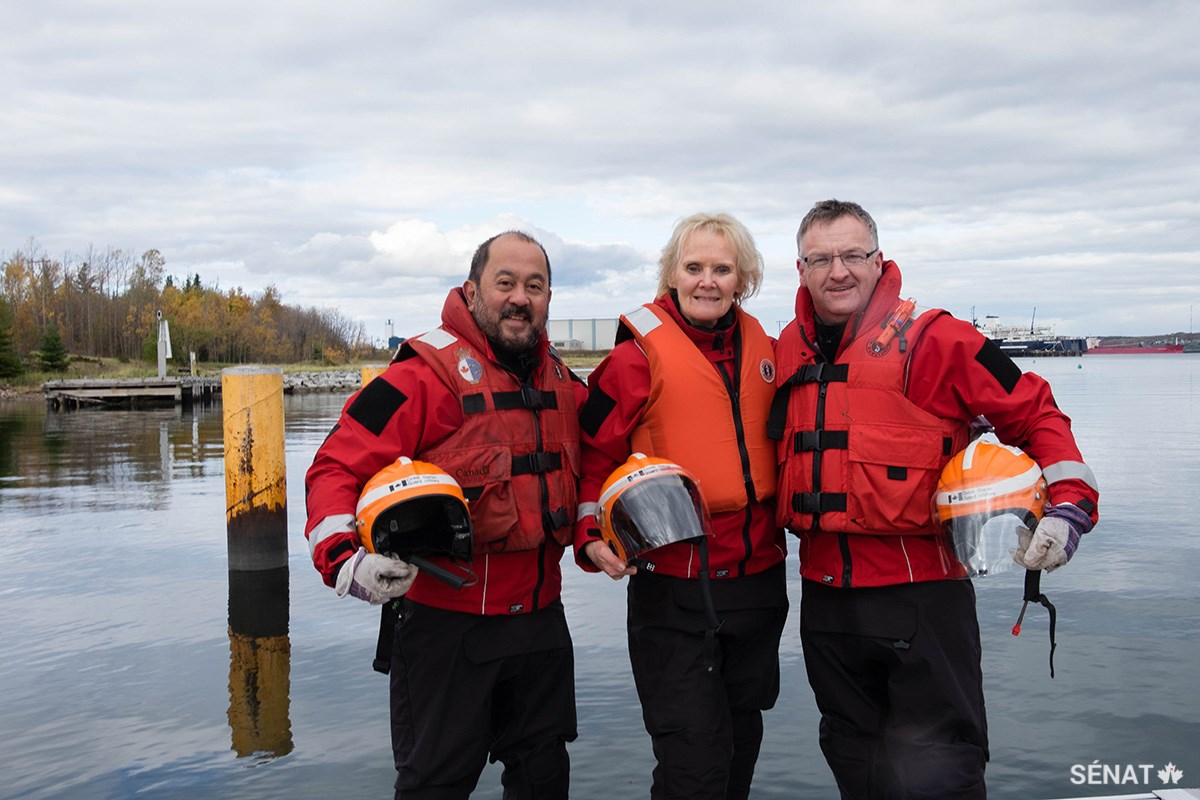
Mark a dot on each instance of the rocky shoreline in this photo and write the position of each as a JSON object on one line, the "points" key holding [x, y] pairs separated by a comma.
{"points": [[309, 382]]}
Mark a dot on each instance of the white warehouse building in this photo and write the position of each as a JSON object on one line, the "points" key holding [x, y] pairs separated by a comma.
{"points": [[595, 333]]}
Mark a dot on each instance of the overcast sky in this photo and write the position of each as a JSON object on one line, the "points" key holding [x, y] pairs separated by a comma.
{"points": [[1016, 155]]}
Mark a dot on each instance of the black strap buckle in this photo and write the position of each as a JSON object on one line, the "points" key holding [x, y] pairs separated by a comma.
{"points": [[554, 520], [818, 502], [806, 441], [536, 462]]}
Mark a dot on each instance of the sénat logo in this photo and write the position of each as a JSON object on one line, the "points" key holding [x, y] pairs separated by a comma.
{"points": [[1097, 773]]}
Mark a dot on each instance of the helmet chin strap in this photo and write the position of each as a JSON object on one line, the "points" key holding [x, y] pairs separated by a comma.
{"points": [[1033, 593], [455, 580]]}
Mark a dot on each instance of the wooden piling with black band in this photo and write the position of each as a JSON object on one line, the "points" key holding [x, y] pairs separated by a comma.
{"points": [[256, 533], [255, 468]]}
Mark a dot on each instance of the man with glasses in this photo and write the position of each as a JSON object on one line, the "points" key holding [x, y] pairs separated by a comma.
{"points": [[872, 401]]}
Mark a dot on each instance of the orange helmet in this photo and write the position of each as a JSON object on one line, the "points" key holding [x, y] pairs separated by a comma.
{"points": [[647, 503], [414, 508], [986, 492]]}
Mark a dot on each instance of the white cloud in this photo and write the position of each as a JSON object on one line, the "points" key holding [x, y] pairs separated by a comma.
{"points": [[1016, 155]]}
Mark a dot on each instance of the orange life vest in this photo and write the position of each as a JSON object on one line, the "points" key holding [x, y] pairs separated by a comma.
{"points": [[729, 453]]}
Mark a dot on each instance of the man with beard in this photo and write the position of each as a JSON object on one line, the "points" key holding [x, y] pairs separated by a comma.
{"points": [[487, 670]]}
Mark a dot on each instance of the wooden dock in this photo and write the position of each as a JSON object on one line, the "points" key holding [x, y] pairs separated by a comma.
{"points": [[130, 392]]}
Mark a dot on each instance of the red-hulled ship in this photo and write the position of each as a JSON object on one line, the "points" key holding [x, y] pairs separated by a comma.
{"points": [[1132, 349]]}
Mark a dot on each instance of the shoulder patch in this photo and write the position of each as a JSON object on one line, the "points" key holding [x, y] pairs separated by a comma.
{"points": [[438, 338], [643, 320], [375, 405], [595, 410], [997, 362]]}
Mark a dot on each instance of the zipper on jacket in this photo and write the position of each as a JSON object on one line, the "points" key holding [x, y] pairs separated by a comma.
{"points": [[733, 389]]}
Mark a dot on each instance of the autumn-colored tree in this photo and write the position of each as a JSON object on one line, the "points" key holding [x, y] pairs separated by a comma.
{"points": [[104, 303]]}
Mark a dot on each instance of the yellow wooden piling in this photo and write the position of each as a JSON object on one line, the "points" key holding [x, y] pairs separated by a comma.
{"points": [[255, 467], [371, 371]]}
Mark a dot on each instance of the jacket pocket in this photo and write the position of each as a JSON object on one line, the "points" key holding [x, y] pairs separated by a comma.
{"points": [[892, 472]]}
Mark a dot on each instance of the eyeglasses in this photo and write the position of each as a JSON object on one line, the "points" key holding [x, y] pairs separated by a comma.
{"points": [[849, 260]]}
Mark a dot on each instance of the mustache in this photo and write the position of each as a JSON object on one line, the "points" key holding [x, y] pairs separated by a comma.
{"points": [[516, 312]]}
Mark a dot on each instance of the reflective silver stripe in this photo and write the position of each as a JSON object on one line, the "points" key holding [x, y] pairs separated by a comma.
{"points": [[1070, 470], [587, 510], [334, 523], [437, 338], [643, 321], [414, 482]]}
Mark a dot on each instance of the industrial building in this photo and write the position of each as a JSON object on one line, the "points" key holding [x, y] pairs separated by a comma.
{"points": [[595, 333]]}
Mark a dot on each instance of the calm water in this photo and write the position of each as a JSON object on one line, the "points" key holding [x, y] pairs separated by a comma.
{"points": [[120, 675]]}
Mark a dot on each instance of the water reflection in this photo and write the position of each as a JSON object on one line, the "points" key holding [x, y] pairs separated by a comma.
{"points": [[259, 662], [135, 664]]}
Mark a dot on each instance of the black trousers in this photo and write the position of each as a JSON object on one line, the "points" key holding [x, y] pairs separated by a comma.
{"points": [[465, 686], [897, 678], [702, 700]]}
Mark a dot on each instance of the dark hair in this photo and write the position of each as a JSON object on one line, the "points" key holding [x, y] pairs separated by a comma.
{"points": [[479, 260], [830, 210]]}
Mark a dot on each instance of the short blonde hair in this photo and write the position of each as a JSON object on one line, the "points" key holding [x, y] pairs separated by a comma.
{"points": [[749, 261]]}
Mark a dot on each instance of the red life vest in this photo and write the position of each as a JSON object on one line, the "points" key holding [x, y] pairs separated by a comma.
{"points": [[857, 456], [728, 452], [516, 455]]}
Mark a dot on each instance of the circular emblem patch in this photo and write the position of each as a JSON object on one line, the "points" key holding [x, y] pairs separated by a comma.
{"points": [[876, 350], [469, 369], [767, 369]]}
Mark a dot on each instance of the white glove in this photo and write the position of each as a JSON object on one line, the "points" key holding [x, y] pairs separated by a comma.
{"points": [[374, 578], [1044, 548]]}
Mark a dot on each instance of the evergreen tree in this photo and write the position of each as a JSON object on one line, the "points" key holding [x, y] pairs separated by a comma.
{"points": [[10, 362], [53, 355]]}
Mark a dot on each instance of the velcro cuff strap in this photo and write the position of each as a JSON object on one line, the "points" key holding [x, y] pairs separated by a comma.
{"points": [[818, 502], [536, 462], [821, 440]]}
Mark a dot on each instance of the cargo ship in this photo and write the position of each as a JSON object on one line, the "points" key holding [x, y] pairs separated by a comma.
{"points": [[1031, 340], [1135, 349]]}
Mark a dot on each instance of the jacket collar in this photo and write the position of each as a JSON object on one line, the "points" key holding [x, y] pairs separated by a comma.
{"points": [[719, 338]]}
